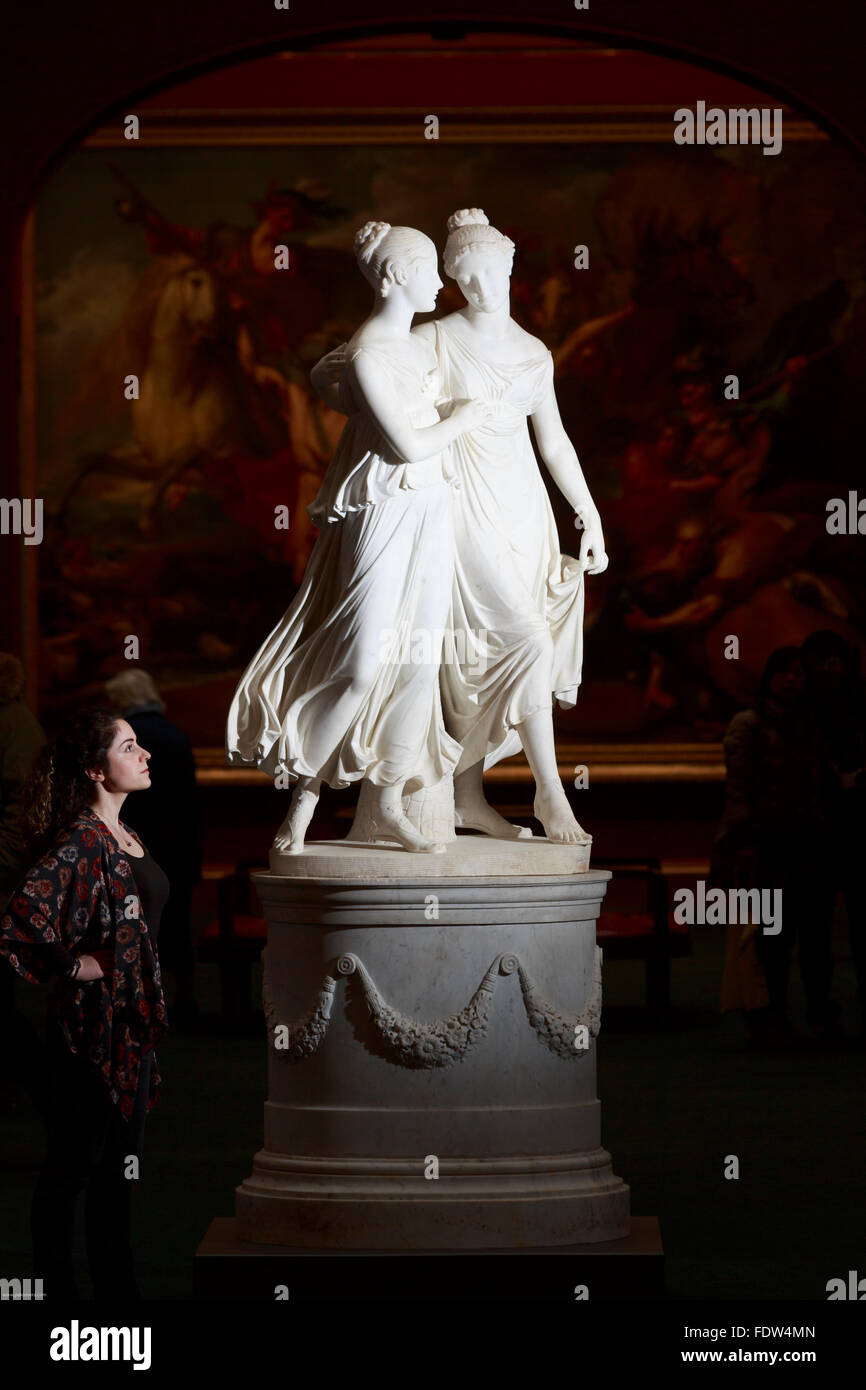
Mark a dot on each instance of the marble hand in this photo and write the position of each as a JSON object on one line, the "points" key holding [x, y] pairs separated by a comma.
{"points": [[326, 374], [593, 555], [474, 414], [471, 414]]}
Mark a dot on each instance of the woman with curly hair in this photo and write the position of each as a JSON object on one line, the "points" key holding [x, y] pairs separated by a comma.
{"points": [[87, 916]]}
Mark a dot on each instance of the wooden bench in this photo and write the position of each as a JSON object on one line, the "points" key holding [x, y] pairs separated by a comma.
{"points": [[645, 930], [234, 939]]}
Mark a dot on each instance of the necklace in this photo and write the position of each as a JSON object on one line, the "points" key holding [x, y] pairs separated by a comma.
{"points": [[120, 834]]}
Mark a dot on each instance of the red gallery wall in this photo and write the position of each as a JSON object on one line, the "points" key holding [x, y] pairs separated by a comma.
{"points": [[478, 71]]}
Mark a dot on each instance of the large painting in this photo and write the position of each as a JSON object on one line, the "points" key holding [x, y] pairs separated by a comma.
{"points": [[163, 502]]}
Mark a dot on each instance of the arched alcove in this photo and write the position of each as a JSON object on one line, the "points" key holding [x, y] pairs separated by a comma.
{"points": [[586, 134]]}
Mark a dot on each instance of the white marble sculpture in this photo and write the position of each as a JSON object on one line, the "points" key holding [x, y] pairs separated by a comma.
{"points": [[448, 1006], [517, 603], [318, 702]]}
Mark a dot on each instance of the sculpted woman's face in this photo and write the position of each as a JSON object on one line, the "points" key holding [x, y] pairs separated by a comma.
{"points": [[484, 279], [423, 283]]}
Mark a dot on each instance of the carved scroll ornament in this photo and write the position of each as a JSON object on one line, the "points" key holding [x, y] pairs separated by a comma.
{"points": [[439, 1042]]}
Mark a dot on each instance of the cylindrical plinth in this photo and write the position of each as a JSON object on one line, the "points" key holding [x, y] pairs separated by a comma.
{"points": [[432, 1065]]}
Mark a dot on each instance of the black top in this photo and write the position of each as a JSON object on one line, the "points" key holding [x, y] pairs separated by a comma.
{"points": [[153, 889], [166, 815]]}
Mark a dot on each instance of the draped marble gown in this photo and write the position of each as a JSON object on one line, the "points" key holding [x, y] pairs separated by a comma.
{"points": [[517, 604], [318, 699]]}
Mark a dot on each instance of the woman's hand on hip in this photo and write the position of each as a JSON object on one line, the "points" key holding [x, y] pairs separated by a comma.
{"points": [[90, 969]]}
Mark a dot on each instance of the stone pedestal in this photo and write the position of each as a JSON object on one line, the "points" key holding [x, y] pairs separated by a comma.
{"points": [[431, 1053]]}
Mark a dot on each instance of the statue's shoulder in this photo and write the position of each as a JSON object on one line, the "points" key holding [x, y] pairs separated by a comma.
{"points": [[534, 348], [377, 348], [449, 323]]}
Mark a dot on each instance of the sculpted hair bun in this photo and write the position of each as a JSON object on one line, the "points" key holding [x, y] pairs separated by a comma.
{"points": [[467, 217], [371, 235], [470, 230], [386, 265]]}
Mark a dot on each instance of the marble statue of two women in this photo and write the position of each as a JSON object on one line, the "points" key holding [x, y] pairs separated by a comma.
{"points": [[435, 518]]}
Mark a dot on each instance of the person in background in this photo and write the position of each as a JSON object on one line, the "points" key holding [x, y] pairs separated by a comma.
{"points": [[167, 818], [86, 917], [836, 701], [773, 836], [21, 739]]}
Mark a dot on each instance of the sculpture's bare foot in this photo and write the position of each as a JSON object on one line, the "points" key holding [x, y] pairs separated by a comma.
{"points": [[389, 823], [474, 813], [552, 809], [289, 839]]}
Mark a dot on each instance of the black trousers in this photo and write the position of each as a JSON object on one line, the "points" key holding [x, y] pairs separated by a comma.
{"points": [[89, 1144], [22, 1051]]}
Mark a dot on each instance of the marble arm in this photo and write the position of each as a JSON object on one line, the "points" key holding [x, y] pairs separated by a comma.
{"points": [[560, 456], [410, 444], [560, 459], [325, 377]]}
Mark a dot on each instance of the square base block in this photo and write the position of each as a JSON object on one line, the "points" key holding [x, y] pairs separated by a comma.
{"points": [[628, 1269]]}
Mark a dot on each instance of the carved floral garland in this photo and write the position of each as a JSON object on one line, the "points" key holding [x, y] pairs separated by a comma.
{"points": [[440, 1042]]}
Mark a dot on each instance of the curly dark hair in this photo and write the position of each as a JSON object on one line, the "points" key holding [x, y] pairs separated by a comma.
{"points": [[58, 786]]}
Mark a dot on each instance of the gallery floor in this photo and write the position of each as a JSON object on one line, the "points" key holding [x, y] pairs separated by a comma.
{"points": [[675, 1104]]}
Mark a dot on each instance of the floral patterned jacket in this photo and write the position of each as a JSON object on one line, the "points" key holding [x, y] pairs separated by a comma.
{"points": [[82, 894]]}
